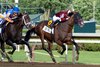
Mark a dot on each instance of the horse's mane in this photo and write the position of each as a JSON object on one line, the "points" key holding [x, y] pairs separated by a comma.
{"points": [[20, 15], [70, 14]]}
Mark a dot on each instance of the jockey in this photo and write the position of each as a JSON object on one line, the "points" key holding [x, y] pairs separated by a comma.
{"points": [[7, 19], [8, 16], [61, 17], [11, 14], [2, 17]]}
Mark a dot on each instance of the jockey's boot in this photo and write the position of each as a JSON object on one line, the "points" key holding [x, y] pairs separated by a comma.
{"points": [[0, 25], [3, 26], [52, 25], [0, 29], [55, 23]]}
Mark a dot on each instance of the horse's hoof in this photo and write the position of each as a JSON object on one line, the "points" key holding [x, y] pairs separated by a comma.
{"points": [[10, 52], [59, 51], [11, 61], [54, 61], [77, 58]]}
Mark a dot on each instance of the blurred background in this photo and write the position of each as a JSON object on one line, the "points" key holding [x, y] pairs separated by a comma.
{"points": [[45, 9]]}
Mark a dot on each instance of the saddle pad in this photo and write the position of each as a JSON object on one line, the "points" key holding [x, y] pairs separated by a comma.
{"points": [[48, 30]]}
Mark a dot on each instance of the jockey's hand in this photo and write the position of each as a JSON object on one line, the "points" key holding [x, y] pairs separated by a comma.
{"points": [[67, 18], [9, 20], [1, 16]]}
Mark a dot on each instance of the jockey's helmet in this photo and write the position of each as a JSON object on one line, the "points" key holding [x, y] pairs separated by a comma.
{"points": [[9, 11], [16, 9]]}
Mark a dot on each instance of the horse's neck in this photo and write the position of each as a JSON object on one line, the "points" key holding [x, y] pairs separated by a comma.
{"points": [[16, 28], [65, 26], [71, 21]]}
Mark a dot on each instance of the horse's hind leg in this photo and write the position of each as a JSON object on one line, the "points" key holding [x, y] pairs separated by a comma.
{"points": [[28, 35], [64, 48], [49, 48], [43, 45], [10, 43], [3, 50], [4, 54], [50, 51], [77, 49]]}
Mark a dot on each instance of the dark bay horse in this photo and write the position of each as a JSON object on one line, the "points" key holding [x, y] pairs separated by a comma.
{"points": [[62, 34], [13, 33]]}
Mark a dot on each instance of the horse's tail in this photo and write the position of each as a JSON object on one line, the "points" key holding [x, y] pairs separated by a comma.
{"points": [[29, 33]]}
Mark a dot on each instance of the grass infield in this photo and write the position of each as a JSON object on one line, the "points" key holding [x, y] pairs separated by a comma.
{"points": [[86, 57]]}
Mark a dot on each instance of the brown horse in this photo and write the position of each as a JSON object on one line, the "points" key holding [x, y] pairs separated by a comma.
{"points": [[13, 33], [62, 34]]}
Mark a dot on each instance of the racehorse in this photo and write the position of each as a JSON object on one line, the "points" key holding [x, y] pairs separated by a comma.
{"points": [[13, 33], [62, 34]]}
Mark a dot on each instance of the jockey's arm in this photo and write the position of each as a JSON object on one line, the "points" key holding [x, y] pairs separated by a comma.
{"points": [[8, 18], [1, 16]]}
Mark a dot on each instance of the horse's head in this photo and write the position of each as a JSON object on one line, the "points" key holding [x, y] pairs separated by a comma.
{"points": [[78, 19], [25, 19]]}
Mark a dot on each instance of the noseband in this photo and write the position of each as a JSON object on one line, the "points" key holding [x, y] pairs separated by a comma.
{"points": [[23, 17]]}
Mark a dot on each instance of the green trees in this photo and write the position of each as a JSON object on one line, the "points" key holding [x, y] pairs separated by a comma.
{"points": [[89, 9]]}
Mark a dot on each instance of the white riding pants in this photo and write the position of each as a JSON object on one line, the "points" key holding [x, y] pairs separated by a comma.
{"points": [[56, 18]]}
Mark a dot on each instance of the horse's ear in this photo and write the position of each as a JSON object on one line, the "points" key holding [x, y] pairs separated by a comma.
{"points": [[76, 11], [20, 14], [70, 14], [25, 12]]}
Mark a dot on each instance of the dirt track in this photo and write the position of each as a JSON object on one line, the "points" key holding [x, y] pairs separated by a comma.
{"points": [[23, 64]]}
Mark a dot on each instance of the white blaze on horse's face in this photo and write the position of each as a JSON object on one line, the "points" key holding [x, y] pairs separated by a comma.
{"points": [[26, 21], [81, 24]]}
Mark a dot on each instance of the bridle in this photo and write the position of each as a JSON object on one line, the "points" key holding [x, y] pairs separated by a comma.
{"points": [[25, 23]]}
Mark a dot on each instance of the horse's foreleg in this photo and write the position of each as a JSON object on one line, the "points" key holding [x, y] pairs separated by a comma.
{"points": [[27, 44], [77, 49], [10, 43], [28, 35], [62, 45]]}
